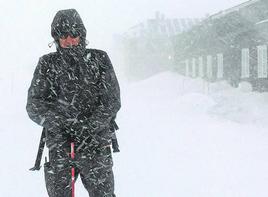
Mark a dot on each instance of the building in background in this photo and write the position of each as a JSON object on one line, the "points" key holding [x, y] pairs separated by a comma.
{"points": [[147, 48], [230, 45], [161, 26]]}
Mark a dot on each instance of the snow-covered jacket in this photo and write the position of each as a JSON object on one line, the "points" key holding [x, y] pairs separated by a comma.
{"points": [[74, 96], [86, 93]]}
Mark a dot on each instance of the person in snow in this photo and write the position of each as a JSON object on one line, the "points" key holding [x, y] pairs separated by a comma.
{"points": [[75, 95]]}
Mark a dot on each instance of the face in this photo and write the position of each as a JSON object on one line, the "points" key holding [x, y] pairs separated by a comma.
{"points": [[69, 41]]}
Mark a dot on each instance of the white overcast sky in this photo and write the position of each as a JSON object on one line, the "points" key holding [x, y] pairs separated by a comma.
{"points": [[111, 15], [26, 23]]}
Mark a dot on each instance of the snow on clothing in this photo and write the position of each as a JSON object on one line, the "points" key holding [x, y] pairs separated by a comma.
{"points": [[95, 170], [74, 95], [81, 96]]}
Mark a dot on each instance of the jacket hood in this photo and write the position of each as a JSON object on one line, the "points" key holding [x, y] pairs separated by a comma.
{"points": [[67, 21]]}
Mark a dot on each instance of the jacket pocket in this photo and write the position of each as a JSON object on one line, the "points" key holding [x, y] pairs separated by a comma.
{"points": [[54, 137]]}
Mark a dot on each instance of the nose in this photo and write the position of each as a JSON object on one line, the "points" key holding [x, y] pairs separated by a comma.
{"points": [[69, 40]]}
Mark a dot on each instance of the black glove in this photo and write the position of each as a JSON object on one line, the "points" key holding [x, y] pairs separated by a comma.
{"points": [[82, 132]]}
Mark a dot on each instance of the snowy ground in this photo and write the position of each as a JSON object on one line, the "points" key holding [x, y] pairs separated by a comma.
{"points": [[178, 137]]}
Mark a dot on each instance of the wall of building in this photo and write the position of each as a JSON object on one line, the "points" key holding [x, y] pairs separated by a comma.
{"points": [[232, 46]]}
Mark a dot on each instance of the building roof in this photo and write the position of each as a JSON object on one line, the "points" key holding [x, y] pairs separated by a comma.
{"points": [[233, 9]]}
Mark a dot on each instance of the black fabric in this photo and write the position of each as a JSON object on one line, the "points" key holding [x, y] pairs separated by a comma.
{"points": [[74, 95], [74, 100], [94, 168], [69, 22]]}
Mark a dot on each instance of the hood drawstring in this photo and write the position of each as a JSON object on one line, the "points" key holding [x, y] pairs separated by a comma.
{"points": [[51, 44]]}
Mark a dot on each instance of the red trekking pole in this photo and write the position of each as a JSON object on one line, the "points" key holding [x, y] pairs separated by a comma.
{"points": [[73, 170]]}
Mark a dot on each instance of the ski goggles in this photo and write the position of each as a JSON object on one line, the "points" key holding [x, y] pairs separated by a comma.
{"points": [[73, 33], [69, 41]]}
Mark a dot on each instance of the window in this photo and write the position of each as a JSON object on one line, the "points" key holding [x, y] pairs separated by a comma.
{"points": [[200, 67], [209, 66], [193, 68], [187, 68], [220, 66], [262, 61], [245, 63]]}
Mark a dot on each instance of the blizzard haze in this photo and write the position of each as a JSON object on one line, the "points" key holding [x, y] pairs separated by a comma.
{"points": [[178, 136], [26, 24]]}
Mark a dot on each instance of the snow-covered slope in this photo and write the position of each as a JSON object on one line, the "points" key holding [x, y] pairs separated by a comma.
{"points": [[184, 137], [178, 137]]}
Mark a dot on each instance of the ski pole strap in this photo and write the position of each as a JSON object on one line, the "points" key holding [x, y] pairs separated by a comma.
{"points": [[40, 152], [113, 128], [115, 146]]}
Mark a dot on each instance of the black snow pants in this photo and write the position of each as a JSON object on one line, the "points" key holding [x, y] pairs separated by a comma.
{"points": [[94, 168]]}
